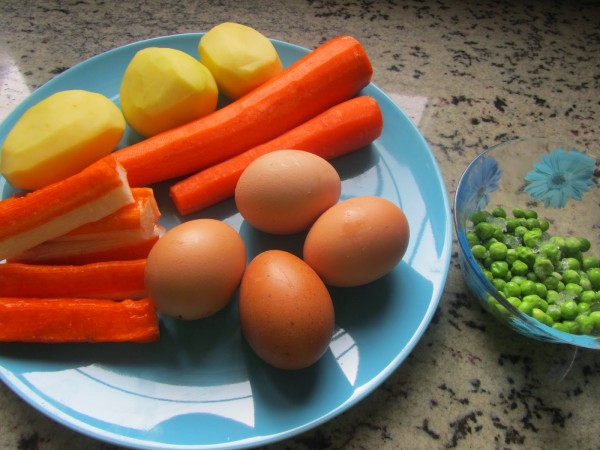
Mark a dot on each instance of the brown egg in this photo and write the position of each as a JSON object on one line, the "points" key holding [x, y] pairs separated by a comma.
{"points": [[357, 241], [195, 268], [284, 192], [286, 312]]}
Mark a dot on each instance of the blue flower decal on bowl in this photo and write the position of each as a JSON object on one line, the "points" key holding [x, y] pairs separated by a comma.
{"points": [[561, 175], [482, 181]]}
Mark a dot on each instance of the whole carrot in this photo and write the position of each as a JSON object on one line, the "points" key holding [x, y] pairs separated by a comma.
{"points": [[341, 129], [331, 73], [59, 320], [116, 280]]}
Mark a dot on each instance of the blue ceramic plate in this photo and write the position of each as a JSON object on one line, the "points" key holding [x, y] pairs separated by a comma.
{"points": [[200, 386]]}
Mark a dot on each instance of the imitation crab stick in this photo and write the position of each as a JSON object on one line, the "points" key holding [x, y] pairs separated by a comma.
{"points": [[51, 211], [77, 252], [343, 128], [134, 221], [116, 280], [60, 320], [330, 74]]}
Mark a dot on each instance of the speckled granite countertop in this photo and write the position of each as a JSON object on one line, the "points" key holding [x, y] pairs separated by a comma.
{"points": [[470, 74]]}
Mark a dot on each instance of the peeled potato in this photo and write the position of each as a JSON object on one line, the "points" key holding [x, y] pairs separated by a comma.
{"points": [[239, 57], [163, 88], [60, 136]]}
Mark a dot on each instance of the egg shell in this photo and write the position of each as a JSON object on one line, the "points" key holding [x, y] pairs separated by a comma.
{"points": [[283, 192], [286, 312], [357, 241], [195, 268]]}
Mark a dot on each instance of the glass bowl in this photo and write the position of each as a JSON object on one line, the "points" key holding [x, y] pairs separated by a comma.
{"points": [[556, 179]]}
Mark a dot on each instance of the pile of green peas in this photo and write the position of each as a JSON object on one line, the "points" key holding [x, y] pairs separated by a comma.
{"points": [[549, 278]]}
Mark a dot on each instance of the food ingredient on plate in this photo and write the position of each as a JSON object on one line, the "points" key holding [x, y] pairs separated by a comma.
{"points": [[551, 278], [283, 192], [344, 128], [78, 251], [357, 241], [60, 320], [56, 209], [195, 268], [330, 74], [116, 280], [240, 57], [286, 313], [132, 222], [60, 136], [163, 88]]}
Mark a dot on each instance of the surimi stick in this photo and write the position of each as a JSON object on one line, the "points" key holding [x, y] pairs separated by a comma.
{"points": [[117, 280], [58, 208], [135, 221], [60, 320]]}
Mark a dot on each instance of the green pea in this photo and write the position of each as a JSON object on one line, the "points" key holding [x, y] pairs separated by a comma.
{"points": [[569, 263], [585, 282], [498, 212], [520, 231], [488, 275], [518, 212], [526, 255], [568, 310], [588, 296], [530, 214], [551, 282], [512, 289], [550, 250], [542, 317], [515, 301], [511, 255], [560, 326], [589, 262], [511, 224], [472, 238], [584, 244], [518, 279], [572, 326], [595, 316], [487, 261], [499, 284], [543, 267], [499, 269], [573, 288], [479, 216], [572, 245], [571, 276], [518, 267], [598, 297], [554, 312], [484, 230], [544, 224], [594, 277], [533, 238], [526, 307], [479, 251], [528, 288], [560, 286], [552, 297], [541, 290], [498, 251], [586, 324], [583, 307], [532, 223]]}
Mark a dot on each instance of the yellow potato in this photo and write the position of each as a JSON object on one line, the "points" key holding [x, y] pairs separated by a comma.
{"points": [[163, 88], [239, 57], [60, 136]]}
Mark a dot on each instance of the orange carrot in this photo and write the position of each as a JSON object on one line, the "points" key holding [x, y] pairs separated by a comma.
{"points": [[79, 252], [116, 280], [58, 208], [134, 221], [343, 128], [331, 73], [59, 320]]}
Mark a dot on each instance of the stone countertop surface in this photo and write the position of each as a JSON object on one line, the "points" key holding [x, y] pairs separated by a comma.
{"points": [[470, 74]]}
